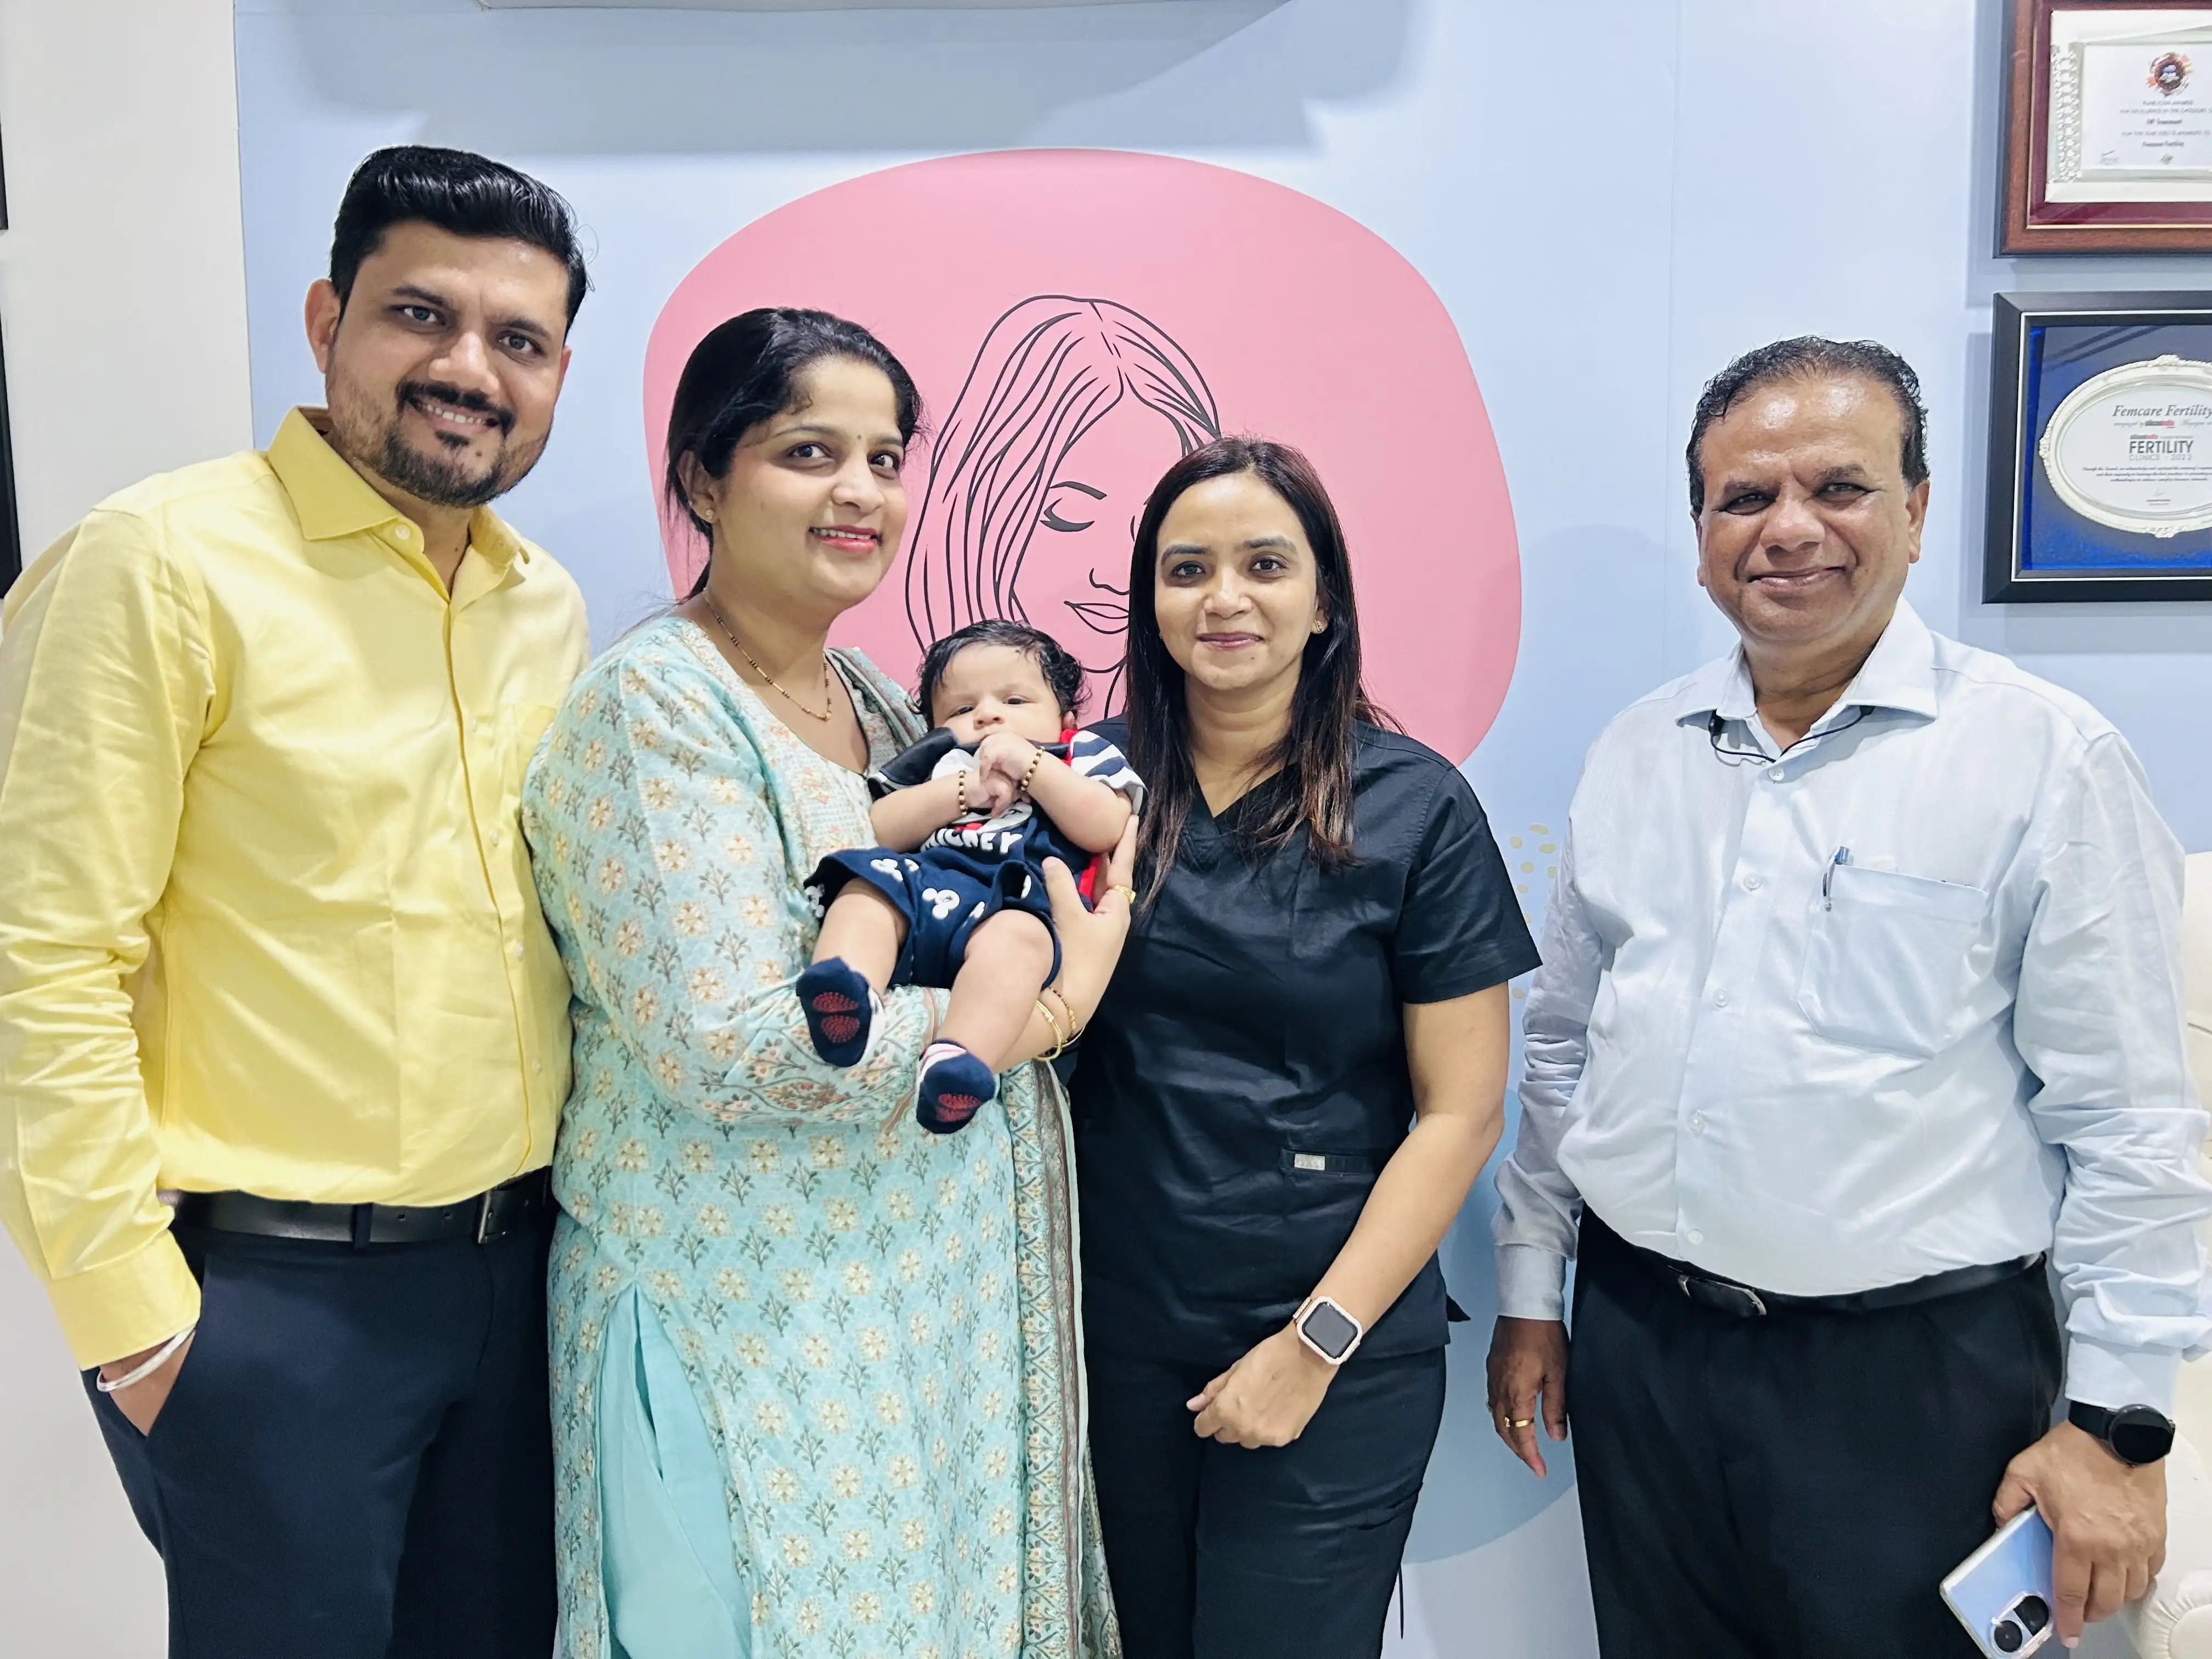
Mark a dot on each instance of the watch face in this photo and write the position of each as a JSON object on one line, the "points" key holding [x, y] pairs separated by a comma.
{"points": [[1329, 1328], [2140, 1435]]}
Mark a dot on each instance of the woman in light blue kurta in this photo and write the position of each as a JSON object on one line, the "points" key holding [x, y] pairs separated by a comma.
{"points": [[816, 1372]]}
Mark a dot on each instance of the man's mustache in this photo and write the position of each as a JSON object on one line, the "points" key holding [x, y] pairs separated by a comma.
{"points": [[475, 402]]}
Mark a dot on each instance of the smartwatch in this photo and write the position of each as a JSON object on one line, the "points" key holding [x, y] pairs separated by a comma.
{"points": [[2135, 1434], [1328, 1329]]}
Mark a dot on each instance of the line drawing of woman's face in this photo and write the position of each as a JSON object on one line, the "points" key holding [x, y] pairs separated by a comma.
{"points": [[1073, 584], [1072, 410]]}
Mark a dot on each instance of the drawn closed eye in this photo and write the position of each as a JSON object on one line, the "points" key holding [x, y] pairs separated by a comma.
{"points": [[1050, 518]]}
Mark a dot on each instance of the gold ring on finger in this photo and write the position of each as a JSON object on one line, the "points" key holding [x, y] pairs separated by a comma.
{"points": [[1515, 1422]]}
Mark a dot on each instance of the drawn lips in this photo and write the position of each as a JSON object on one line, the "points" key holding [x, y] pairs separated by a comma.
{"points": [[1101, 616]]}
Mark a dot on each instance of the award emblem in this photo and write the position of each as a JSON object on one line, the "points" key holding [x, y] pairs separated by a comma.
{"points": [[2132, 448], [2169, 74]]}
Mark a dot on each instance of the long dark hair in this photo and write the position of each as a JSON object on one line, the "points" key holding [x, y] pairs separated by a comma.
{"points": [[1314, 755], [747, 370]]}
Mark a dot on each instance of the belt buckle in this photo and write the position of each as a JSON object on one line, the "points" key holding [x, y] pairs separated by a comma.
{"points": [[1738, 1300], [483, 1216]]}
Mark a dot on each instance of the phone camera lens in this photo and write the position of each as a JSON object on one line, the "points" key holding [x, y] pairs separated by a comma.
{"points": [[2033, 1613], [2008, 1635]]}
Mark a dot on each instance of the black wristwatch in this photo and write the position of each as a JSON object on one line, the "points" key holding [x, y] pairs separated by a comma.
{"points": [[2134, 1434]]}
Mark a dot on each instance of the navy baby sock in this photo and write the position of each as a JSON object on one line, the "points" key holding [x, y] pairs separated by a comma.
{"points": [[840, 1007], [955, 1086]]}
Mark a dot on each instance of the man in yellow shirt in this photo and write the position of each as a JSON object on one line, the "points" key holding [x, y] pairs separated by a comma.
{"points": [[269, 954]]}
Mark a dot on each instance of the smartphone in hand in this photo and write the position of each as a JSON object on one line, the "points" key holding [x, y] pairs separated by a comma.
{"points": [[2001, 1592]]}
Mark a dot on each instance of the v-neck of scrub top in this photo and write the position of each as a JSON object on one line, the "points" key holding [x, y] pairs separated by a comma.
{"points": [[1239, 808], [1245, 1079]]}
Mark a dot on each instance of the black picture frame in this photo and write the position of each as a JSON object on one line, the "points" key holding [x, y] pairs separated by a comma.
{"points": [[11, 534], [2027, 333]]}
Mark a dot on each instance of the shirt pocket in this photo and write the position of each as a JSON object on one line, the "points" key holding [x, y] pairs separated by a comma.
{"points": [[1323, 1188], [1886, 965], [1313, 1162]]}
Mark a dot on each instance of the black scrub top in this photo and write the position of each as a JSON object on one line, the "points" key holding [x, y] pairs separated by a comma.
{"points": [[1245, 1079]]}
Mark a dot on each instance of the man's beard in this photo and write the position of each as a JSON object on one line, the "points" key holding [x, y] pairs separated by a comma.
{"points": [[449, 479]]}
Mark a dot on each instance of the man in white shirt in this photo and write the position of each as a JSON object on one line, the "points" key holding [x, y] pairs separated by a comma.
{"points": [[1860, 997]]}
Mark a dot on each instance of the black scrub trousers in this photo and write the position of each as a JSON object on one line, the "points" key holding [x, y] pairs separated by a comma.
{"points": [[1240, 1088]]}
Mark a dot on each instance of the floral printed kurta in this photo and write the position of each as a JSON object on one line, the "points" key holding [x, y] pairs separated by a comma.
{"points": [[878, 1323]]}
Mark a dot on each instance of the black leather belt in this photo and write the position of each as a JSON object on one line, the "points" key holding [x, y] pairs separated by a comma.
{"points": [[525, 1201], [1744, 1302]]}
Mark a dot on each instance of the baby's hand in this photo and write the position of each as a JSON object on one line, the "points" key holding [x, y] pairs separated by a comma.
{"points": [[989, 794], [1004, 754]]}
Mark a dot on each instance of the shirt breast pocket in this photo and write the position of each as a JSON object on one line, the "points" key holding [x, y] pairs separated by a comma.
{"points": [[1887, 961]]}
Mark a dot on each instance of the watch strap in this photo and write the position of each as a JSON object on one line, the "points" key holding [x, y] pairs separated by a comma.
{"points": [[2090, 1420]]}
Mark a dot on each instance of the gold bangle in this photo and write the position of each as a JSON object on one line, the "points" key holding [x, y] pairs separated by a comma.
{"points": [[1059, 1036], [1075, 1027], [1029, 775], [960, 789]]}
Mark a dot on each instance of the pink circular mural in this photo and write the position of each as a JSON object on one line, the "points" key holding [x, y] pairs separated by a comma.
{"points": [[1079, 319]]}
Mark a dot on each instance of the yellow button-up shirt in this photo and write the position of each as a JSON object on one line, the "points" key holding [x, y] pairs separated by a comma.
{"points": [[266, 917]]}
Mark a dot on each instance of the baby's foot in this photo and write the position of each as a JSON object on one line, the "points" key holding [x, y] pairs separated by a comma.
{"points": [[955, 1084], [840, 1008]]}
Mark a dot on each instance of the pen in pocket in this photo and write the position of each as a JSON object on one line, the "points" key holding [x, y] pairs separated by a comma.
{"points": [[1828, 876]]}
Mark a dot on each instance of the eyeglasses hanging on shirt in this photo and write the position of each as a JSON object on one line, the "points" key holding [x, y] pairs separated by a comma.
{"points": [[1715, 726]]}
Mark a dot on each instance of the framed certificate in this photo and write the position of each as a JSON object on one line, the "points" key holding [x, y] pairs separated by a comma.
{"points": [[2100, 447], [2109, 128]]}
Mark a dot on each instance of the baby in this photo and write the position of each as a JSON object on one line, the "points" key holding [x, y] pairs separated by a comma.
{"points": [[956, 896]]}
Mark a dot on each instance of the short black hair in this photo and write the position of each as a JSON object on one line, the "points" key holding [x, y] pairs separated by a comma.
{"points": [[1063, 675], [1807, 355], [467, 194]]}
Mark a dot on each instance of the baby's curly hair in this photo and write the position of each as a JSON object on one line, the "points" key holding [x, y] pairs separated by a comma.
{"points": [[1063, 675]]}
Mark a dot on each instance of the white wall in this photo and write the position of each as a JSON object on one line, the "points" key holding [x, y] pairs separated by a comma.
{"points": [[123, 303], [1611, 198]]}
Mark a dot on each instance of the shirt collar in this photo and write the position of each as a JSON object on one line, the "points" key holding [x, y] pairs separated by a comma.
{"points": [[1900, 673], [332, 500]]}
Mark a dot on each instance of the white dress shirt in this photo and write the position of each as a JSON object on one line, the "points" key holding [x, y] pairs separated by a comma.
{"points": [[1902, 998]]}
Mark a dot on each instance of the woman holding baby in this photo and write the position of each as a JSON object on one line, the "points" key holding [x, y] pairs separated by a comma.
{"points": [[817, 1386], [815, 1378]]}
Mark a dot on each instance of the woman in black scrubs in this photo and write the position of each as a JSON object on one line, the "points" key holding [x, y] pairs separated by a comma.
{"points": [[1294, 1078]]}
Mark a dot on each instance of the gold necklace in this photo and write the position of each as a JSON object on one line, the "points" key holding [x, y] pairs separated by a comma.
{"points": [[819, 715]]}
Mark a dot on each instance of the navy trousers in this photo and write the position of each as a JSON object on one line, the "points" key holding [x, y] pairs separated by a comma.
{"points": [[357, 1460], [1796, 1486], [1227, 1552]]}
